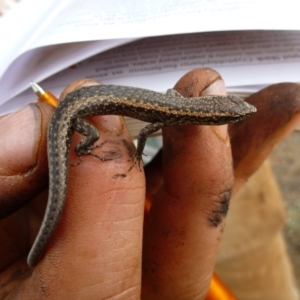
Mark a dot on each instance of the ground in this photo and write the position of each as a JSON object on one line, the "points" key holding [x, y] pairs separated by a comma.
{"points": [[285, 161]]}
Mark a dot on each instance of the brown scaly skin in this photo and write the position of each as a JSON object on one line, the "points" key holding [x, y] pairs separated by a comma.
{"points": [[158, 109]]}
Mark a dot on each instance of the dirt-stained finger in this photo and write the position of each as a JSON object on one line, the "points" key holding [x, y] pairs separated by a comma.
{"points": [[184, 226], [278, 113], [23, 156]]}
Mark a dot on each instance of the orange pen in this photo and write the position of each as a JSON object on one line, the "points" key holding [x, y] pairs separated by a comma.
{"points": [[44, 96], [217, 290]]}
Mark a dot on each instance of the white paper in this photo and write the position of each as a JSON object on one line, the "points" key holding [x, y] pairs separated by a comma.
{"points": [[114, 19], [20, 27], [243, 57], [38, 64], [249, 60], [72, 21]]}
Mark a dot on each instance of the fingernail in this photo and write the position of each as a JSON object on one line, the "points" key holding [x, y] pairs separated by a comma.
{"points": [[216, 88], [19, 136]]}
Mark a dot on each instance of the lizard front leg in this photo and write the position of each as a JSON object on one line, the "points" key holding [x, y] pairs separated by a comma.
{"points": [[142, 137]]}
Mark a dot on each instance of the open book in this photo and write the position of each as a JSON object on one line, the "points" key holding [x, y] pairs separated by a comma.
{"points": [[147, 43]]}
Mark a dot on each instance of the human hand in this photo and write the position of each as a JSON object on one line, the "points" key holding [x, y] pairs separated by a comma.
{"points": [[96, 250]]}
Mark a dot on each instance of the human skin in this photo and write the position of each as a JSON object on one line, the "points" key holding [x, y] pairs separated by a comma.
{"points": [[96, 250]]}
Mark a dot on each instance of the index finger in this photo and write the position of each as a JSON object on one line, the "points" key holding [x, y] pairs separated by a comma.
{"points": [[98, 238]]}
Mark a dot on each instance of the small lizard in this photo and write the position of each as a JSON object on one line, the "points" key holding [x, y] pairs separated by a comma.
{"points": [[158, 109]]}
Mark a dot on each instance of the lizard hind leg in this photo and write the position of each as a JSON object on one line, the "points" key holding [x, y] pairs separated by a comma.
{"points": [[86, 145]]}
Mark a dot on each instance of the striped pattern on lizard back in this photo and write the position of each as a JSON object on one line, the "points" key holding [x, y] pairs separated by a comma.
{"points": [[158, 109]]}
